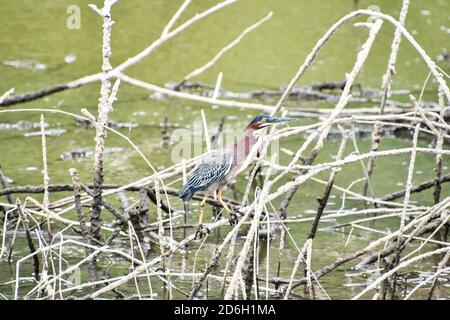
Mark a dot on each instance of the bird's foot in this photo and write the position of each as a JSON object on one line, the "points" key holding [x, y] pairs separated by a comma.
{"points": [[233, 218], [201, 231]]}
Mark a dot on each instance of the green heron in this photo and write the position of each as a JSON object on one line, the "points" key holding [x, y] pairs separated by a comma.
{"points": [[217, 170]]}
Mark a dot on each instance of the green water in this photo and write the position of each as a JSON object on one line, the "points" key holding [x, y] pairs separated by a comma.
{"points": [[266, 59]]}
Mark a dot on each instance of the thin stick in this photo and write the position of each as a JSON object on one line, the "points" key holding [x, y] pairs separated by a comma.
{"points": [[297, 263], [228, 47], [45, 201], [390, 71], [30, 243], [409, 178], [324, 200], [6, 95], [106, 100], [175, 18], [206, 133], [439, 146], [84, 232], [440, 268], [5, 184]]}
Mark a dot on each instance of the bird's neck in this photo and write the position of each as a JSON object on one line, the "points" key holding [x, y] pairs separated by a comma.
{"points": [[243, 146]]}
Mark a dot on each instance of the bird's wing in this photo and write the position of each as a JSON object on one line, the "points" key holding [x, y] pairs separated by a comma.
{"points": [[209, 171]]}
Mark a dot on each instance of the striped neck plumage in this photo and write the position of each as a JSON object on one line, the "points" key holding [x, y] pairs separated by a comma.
{"points": [[243, 146]]}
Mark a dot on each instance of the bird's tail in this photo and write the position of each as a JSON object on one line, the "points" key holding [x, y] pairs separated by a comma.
{"points": [[186, 193]]}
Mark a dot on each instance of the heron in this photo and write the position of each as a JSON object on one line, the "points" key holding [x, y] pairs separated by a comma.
{"points": [[219, 168]]}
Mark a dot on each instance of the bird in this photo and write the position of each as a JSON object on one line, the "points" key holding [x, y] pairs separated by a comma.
{"points": [[220, 167]]}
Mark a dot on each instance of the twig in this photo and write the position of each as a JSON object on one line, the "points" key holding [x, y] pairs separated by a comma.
{"points": [[175, 18], [45, 202], [5, 184], [83, 229], [439, 146], [390, 71], [30, 243], [419, 188], [441, 266], [324, 200], [108, 96], [7, 94], [228, 47], [409, 178]]}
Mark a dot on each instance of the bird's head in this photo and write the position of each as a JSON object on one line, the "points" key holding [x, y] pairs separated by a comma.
{"points": [[263, 120]]}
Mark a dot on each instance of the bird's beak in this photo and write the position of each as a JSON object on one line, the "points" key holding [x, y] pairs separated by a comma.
{"points": [[273, 120]]}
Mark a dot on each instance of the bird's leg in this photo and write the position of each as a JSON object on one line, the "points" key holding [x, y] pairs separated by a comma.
{"points": [[201, 229], [232, 217]]}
